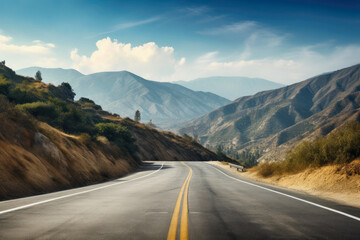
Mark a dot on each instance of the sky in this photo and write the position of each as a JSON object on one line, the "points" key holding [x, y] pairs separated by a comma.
{"points": [[284, 41]]}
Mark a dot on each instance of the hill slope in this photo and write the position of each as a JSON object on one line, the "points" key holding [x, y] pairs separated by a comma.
{"points": [[124, 93], [50, 142], [55, 76], [274, 120], [230, 87]]}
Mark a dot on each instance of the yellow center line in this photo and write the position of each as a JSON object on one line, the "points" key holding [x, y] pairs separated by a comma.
{"points": [[184, 233], [184, 226]]}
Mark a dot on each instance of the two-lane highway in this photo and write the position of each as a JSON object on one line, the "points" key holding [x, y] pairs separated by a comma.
{"points": [[177, 200]]}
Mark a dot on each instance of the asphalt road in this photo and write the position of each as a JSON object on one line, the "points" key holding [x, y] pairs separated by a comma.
{"points": [[172, 200]]}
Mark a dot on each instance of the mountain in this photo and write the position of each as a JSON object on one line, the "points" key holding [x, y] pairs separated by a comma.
{"points": [[52, 75], [50, 142], [230, 87], [274, 120], [124, 93]]}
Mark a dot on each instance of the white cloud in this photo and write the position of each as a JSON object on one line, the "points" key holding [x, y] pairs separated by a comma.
{"points": [[159, 63], [36, 47], [4, 39], [297, 65], [18, 56], [148, 60]]}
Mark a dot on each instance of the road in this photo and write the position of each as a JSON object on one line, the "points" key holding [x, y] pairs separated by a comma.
{"points": [[174, 200]]}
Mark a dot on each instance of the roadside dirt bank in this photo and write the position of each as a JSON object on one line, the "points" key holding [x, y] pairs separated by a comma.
{"points": [[336, 182]]}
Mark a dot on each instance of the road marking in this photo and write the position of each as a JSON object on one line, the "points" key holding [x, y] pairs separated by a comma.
{"points": [[184, 226], [289, 196], [75, 194], [184, 233]]}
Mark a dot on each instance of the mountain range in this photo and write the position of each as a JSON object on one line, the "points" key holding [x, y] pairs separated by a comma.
{"points": [[124, 93], [230, 87], [272, 121]]}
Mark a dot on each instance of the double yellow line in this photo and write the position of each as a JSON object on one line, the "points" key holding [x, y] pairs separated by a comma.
{"points": [[184, 225]]}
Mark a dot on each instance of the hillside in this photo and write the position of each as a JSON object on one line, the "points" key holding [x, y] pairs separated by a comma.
{"points": [[271, 121], [55, 76], [230, 87], [124, 93], [50, 142]]}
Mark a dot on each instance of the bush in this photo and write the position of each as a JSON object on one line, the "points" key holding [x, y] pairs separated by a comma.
{"points": [[41, 110], [115, 132], [85, 138], [4, 86], [267, 169], [339, 147], [20, 96]]}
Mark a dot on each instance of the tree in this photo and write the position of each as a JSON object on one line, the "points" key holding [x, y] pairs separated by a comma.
{"points": [[38, 76], [2, 63], [68, 91], [137, 116]]}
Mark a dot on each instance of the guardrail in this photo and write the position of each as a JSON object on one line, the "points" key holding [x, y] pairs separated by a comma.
{"points": [[237, 167]]}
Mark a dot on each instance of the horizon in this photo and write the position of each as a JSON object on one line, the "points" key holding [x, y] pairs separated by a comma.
{"points": [[200, 78], [172, 41]]}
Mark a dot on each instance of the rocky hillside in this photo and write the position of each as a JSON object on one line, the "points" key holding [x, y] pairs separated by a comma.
{"points": [[274, 120], [230, 87], [124, 93], [50, 142]]}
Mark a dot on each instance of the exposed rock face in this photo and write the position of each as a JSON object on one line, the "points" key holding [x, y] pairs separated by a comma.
{"points": [[48, 149]]}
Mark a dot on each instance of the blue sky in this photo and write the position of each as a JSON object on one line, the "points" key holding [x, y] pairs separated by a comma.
{"points": [[283, 41]]}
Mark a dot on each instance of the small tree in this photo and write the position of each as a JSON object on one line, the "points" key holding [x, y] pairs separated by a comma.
{"points": [[137, 117], [66, 87], [38, 76]]}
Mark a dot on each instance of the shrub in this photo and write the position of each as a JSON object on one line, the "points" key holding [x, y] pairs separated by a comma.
{"points": [[85, 138], [20, 96], [42, 110], [117, 133], [339, 147], [267, 169]]}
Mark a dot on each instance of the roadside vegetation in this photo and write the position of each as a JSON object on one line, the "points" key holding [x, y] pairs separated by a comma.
{"points": [[245, 158], [30, 98], [339, 147]]}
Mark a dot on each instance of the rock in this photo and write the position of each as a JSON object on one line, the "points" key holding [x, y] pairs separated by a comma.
{"points": [[48, 149]]}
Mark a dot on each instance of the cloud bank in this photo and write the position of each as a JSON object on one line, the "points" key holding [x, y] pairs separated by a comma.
{"points": [[23, 55], [148, 60], [160, 63]]}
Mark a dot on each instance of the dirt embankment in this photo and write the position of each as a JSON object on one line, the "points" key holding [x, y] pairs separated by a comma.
{"points": [[340, 183], [44, 160], [154, 145]]}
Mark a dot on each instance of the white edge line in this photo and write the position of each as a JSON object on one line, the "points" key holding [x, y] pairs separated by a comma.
{"points": [[74, 194], [289, 196]]}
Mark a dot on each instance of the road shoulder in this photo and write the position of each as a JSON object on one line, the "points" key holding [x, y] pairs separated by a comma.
{"points": [[320, 183]]}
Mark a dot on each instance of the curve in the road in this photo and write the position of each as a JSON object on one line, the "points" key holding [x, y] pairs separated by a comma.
{"points": [[75, 194]]}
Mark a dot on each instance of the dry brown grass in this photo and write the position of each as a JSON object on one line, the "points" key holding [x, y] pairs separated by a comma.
{"points": [[333, 182], [27, 168]]}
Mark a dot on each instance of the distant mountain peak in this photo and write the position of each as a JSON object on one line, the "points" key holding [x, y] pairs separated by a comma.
{"points": [[124, 92]]}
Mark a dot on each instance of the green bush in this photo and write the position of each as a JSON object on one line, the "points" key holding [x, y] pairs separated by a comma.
{"points": [[40, 110], [19, 96], [339, 147], [117, 133]]}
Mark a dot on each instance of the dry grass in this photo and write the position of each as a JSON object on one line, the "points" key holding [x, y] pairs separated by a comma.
{"points": [[334, 182], [28, 168]]}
